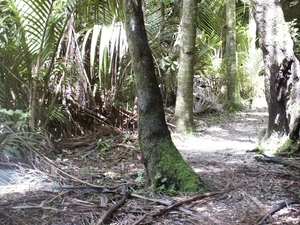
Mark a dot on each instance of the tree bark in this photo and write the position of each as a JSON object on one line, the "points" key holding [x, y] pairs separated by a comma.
{"points": [[281, 68], [233, 90], [184, 117], [164, 165]]}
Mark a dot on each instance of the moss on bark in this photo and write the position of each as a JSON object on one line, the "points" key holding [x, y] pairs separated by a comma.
{"points": [[164, 165], [173, 165]]}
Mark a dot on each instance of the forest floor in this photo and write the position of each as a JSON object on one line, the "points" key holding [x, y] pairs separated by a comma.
{"points": [[251, 188], [243, 190]]}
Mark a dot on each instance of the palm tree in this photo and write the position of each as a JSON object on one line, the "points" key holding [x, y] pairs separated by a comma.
{"points": [[184, 117], [49, 58], [40, 26], [233, 90]]}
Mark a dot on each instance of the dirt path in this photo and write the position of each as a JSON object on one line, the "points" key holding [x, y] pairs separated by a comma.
{"points": [[251, 188]]}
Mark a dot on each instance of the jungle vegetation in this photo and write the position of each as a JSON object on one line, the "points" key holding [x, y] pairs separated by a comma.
{"points": [[65, 66]]}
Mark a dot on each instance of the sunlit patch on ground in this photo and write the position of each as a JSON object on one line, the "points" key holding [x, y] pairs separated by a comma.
{"points": [[21, 180]]}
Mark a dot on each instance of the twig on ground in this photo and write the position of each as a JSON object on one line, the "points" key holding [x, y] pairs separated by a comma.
{"points": [[140, 220], [255, 200], [171, 206], [163, 202], [37, 207], [113, 208], [14, 219], [189, 212], [194, 198], [277, 208]]}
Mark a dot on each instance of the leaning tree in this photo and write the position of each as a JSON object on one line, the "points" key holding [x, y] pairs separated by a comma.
{"points": [[281, 67], [164, 165]]}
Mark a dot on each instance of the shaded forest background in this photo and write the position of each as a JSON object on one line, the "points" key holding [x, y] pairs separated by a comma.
{"points": [[65, 67]]}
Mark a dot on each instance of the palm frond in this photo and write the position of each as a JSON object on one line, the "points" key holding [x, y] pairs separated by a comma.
{"points": [[23, 146], [211, 17]]}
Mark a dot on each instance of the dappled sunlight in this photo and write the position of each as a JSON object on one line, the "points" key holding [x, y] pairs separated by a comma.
{"points": [[216, 144], [218, 133], [20, 180], [219, 155]]}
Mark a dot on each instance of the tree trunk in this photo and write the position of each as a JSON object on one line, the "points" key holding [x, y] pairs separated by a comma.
{"points": [[281, 69], [165, 167], [184, 117], [233, 90]]}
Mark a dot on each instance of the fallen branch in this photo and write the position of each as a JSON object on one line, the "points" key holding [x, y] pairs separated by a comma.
{"points": [[113, 208], [163, 202], [191, 213], [276, 208], [167, 203], [276, 160], [255, 200], [102, 190], [16, 220], [140, 220], [194, 198], [37, 207]]}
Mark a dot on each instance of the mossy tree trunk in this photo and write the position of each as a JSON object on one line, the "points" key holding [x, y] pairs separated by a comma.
{"points": [[164, 165], [184, 117], [281, 68], [233, 89]]}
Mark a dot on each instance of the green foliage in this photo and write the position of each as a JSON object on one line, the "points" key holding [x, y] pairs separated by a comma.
{"points": [[210, 61], [260, 149], [163, 187], [104, 146], [140, 177], [34, 44], [295, 36], [21, 145], [250, 64], [33, 31], [104, 50], [61, 159], [209, 42], [288, 147], [15, 119]]}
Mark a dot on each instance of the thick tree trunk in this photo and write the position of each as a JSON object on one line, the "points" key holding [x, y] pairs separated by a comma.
{"points": [[281, 69], [164, 165], [233, 90], [184, 117]]}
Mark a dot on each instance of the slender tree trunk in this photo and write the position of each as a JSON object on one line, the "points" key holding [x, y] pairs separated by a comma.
{"points": [[164, 165], [281, 69], [233, 90], [184, 117]]}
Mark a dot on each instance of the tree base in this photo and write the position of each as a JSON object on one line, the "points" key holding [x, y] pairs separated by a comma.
{"points": [[169, 171]]}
